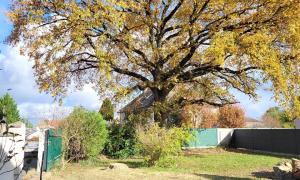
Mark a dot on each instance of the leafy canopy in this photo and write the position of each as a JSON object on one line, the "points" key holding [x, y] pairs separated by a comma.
{"points": [[280, 116], [208, 46]]}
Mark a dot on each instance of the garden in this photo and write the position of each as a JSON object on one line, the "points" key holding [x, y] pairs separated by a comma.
{"points": [[168, 61], [94, 148], [206, 164]]}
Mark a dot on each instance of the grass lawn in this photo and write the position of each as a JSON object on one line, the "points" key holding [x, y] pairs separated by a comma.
{"points": [[222, 163], [205, 164]]}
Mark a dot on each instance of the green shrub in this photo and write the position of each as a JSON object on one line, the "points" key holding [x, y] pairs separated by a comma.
{"points": [[139, 119], [8, 107], [84, 134], [160, 145], [122, 141]]}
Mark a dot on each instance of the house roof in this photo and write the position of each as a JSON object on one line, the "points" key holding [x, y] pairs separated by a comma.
{"points": [[30, 131], [143, 101]]}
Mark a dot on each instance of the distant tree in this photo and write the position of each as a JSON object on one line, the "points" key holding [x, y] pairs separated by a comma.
{"points": [[190, 116], [196, 116], [1, 115], [231, 116], [210, 117], [27, 123], [8, 107], [107, 110], [270, 121], [275, 112], [281, 116]]}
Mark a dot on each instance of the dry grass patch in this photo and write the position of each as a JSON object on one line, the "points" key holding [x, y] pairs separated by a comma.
{"points": [[77, 172]]}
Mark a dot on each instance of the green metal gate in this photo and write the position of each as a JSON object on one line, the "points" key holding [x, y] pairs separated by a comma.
{"points": [[54, 148]]}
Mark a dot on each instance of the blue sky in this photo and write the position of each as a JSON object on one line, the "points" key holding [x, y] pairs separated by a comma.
{"points": [[18, 75]]}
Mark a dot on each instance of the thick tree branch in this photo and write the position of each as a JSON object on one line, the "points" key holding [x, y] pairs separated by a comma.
{"points": [[223, 102], [129, 73]]}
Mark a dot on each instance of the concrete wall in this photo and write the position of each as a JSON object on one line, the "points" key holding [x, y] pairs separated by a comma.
{"points": [[224, 136], [297, 123], [12, 149]]}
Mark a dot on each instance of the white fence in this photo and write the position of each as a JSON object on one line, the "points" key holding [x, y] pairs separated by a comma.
{"points": [[12, 144]]}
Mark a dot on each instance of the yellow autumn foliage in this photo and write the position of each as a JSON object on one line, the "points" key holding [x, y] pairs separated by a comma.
{"points": [[211, 45]]}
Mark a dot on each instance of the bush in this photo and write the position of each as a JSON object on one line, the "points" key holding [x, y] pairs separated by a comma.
{"points": [[84, 134], [160, 145], [231, 116], [122, 141]]}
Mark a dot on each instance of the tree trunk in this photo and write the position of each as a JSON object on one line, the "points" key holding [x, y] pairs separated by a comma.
{"points": [[160, 112]]}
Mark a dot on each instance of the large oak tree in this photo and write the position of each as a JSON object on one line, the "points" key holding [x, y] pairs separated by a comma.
{"points": [[208, 46]]}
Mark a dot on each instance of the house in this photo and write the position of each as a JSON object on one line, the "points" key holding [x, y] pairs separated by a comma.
{"points": [[194, 116], [146, 99], [143, 101]]}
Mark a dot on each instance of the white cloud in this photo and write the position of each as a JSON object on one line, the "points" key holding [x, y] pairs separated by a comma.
{"points": [[17, 74], [86, 97], [43, 111]]}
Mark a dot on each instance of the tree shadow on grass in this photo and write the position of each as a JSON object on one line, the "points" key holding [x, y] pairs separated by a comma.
{"points": [[217, 177], [263, 174], [263, 153]]}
